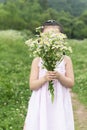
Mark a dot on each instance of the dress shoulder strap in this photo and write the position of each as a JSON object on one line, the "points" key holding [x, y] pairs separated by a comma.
{"points": [[40, 62]]}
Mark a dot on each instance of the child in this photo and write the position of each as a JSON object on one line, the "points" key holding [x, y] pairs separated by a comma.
{"points": [[42, 113]]}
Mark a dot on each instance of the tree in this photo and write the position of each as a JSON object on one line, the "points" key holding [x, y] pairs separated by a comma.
{"points": [[79, 29], [83, 17], [75, 7], [43, 3]]}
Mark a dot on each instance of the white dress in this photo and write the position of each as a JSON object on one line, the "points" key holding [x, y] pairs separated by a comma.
{"points": [[42, 113]]}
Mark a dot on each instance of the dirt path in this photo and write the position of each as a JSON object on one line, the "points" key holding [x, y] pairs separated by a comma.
{"points": [[80, 113]]}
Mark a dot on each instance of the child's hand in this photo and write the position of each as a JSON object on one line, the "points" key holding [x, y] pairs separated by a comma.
{"points": [[55, 74], [51, 75]]}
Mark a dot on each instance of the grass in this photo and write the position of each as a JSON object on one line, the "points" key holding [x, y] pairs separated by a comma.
{"points": [[80, 68], [14, 73]]}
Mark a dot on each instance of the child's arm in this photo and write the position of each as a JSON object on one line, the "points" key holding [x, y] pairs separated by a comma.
{"points": [[35, 81], [68, 79]]}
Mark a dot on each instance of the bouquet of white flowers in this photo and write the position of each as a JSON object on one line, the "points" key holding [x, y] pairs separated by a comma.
{"points": [[50, 47]]}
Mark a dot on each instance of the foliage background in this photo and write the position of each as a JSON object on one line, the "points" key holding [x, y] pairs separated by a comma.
{"points": [[29, 14]]}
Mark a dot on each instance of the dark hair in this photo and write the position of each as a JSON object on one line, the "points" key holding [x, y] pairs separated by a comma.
{"points": [[52, 23]]}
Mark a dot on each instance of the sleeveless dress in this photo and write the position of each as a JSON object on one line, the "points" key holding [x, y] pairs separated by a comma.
{"points": [[42, 113]]}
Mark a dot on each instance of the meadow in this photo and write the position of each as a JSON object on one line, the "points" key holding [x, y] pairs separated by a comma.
{"points": [[15, 63]]}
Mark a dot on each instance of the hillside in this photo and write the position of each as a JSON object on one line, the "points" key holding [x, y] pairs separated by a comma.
{"points": [[30, 14], [75, 7]]}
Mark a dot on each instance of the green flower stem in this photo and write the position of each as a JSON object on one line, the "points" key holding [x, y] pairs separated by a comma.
{"points": [[51, 89]]}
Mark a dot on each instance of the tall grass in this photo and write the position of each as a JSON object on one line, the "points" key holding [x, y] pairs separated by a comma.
{"points": [[14, 74], [79, 58]]}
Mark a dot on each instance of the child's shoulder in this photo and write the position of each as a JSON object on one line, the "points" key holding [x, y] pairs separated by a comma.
{"points": [[67, 59], [36, 60]]}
